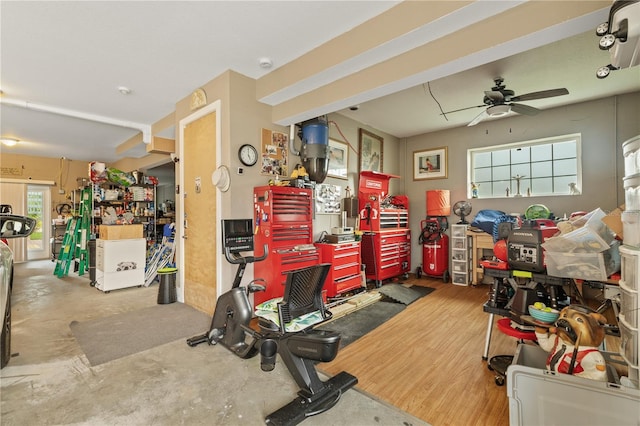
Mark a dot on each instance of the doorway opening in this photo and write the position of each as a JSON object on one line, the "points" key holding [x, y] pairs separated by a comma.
{"points": [[39, 208]]}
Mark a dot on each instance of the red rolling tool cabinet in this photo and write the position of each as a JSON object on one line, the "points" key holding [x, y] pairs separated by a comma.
{"points": [[283, 217], [384, 219], [344, 274]]}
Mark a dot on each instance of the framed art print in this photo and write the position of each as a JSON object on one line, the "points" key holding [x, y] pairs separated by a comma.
{"points": [[430, 164], [338, 159], [370, 149]]}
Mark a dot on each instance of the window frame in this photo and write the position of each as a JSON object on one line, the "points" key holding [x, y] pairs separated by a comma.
{"points": [[572, 137]]}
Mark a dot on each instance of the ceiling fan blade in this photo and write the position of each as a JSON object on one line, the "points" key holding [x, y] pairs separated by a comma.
{"points": [[463, 109], [524, 109], [540, 95], [478, 118], [494, 95]]}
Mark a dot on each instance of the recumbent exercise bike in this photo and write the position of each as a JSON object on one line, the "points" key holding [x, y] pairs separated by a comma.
{"points": [[299, 350]]}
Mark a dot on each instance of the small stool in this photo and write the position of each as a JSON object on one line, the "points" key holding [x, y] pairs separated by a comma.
{"points": [[500, 363], [167, 290]]}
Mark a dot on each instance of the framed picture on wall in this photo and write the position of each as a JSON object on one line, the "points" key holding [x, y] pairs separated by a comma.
{"points": [[338, 159], [430, 164], [370, 149]]}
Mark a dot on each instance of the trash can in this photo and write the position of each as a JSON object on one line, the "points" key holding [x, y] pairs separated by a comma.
{"points": [[167, 290], [92, 262]]}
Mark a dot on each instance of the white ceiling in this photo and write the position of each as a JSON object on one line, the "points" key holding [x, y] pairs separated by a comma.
{"points": [[73, 56]]}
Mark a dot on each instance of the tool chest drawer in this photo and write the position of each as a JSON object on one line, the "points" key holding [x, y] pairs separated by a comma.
{"points": [[344, 274]]}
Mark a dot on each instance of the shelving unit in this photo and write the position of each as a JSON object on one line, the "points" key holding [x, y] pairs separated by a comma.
{"points": [[630, 262], [461, 255], [138, 199], [481, 248]]}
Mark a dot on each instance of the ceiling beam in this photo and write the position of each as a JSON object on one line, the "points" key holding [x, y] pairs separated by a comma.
{"points": [[525, 26]]}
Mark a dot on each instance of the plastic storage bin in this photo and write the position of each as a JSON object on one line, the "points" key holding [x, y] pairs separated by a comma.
{"points": [[630, 266], [591, 236], [629, 305], [631, 186], [631, 227], [585, 266], [631, 154], [540, 397], [628, 342]]}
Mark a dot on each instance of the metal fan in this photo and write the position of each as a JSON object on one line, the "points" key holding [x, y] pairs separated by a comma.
{"points": [[501, 101], [462, 209]]}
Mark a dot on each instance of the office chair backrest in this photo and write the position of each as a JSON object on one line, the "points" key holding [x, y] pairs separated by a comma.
{"points": [[303, 293]]}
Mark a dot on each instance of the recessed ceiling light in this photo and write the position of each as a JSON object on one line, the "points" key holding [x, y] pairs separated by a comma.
{"points": [[124, 90], [265, 63], [9, 141]]}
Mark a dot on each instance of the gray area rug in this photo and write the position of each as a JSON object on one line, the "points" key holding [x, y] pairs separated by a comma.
{"points": [[113, 337]]}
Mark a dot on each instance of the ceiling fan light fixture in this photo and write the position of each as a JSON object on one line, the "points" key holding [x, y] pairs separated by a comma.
{"points": [[9, 141], [498, 110]]}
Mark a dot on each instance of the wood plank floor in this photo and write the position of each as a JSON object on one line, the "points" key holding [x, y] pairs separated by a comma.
{"points": [[427, 360]]}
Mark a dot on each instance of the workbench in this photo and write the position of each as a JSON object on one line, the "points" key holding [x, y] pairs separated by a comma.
{"points": [[499, 275]]}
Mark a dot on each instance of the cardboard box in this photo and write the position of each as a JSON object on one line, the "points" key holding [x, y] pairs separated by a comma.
{"points": [[120, 232], [614, 221]]}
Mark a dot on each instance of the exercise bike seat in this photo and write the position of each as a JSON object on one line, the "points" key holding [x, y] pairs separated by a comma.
{"points": [[291, 334], [292, 318]]}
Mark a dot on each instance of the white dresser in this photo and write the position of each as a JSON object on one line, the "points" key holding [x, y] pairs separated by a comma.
{"points": [[120, 263]]}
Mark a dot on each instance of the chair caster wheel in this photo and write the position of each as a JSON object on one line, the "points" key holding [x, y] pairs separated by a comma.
{"points": [[499, 380]]}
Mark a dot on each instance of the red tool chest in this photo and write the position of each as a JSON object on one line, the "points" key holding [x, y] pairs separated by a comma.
{"points": [[386, 254], [344, 274], [386, 242], [283, 217]]}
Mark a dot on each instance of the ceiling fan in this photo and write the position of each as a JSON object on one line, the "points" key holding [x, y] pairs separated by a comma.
{"points": [[500, 101]]}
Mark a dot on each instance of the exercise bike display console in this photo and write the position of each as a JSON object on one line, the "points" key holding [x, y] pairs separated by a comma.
{"points": [[299, 350]]}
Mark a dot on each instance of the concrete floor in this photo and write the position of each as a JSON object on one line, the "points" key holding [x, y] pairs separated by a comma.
{"points": [[49, 380]]}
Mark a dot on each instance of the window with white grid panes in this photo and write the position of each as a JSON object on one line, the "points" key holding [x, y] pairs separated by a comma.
{"points": [[542, 167]]}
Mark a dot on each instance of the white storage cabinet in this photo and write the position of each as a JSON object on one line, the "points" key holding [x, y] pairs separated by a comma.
{"points": [[120, 263], [630, 262], [460, 255]]}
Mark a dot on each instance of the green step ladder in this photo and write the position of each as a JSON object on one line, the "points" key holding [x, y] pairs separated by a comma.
{"points": [[74, 243]]}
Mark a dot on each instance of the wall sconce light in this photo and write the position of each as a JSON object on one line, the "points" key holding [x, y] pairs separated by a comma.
{"points": [[9, 141]]}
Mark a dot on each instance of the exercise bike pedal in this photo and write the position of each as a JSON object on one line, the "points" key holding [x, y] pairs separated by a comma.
{"points": [[196, 340]]}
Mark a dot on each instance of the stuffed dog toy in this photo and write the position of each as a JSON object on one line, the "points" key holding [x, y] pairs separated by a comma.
{"points": [[573, 343]]}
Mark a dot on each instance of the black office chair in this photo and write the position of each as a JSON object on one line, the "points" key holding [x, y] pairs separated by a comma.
{"points": [[300, 350]]}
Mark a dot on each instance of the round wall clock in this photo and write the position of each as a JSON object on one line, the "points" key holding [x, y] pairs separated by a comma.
{"points": [[248, 155]]}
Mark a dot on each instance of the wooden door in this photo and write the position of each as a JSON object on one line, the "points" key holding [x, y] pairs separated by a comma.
{"points": [[199, 162]]}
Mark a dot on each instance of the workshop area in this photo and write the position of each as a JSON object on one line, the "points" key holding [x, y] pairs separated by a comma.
{"points": [[321, 221]]}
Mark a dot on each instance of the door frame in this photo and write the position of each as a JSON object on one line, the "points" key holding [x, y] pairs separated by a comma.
{"points": [[45, 253], [179, 238]]}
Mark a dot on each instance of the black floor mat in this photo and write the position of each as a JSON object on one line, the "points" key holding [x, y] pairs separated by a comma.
{"points": [[403, 294], [356, 324]]}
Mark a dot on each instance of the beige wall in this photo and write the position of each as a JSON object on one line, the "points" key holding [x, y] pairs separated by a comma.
{"points": [[63, 172], [604, 124]]}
